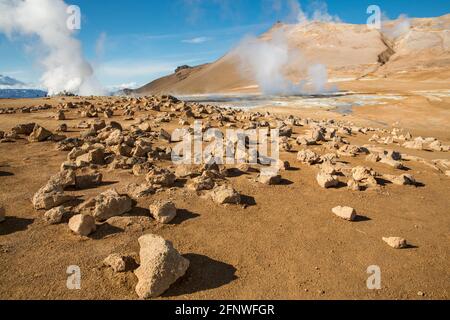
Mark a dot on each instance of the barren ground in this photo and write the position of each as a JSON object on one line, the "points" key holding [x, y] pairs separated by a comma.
{"points": [[285, 245]]}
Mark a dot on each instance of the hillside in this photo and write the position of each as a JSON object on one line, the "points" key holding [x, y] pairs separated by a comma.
{"points": [[413, 50]]}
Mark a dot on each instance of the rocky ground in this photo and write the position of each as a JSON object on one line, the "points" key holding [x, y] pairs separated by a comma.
{"points": [[89, 182]]}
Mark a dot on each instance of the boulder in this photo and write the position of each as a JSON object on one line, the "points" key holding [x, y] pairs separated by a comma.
{"points": [[396, 242], [201, 183], [345, 213], [82, 224], [163, 211], [116, 262], [88, 180], [64, 178], [50, 196], [161, 177], [25, 128], [39, 134], [269, 177], [326, 180], [161, 266], [110, 204], [225, 195], [55, 215], [308, 157], [138, 191]]}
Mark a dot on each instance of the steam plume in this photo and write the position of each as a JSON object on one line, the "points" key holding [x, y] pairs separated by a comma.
{"points": [[65, 67]]}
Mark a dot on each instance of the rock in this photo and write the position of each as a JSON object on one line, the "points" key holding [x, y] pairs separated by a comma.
{"points": [[88, 180], [55, 215], [373, 157], [163, 211], [404, 180], [161, 177], [141, 169], [115, 262], [201, 183], [308, 157], [62, 128], [393, 163], [353, 185], [396, 242], [60, 115], [447, 173], [137, 191], [415, 144], [225, 195], [2, 214], [39, 134], [186, 171], [82, 224], [161, 265], [50, 196], [362, 173], [164, 135], [64, 178], [96, 156], [110, 204], [269, 177], [345, 213], [326, 180], [25, 129]]}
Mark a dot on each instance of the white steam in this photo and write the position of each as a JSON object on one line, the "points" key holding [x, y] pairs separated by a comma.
{"points": [[317, 11], [395, 29], [269, 62], [66, 69]]}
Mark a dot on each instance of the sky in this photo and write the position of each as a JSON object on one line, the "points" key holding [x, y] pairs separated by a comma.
{"points": [[131, 42]]}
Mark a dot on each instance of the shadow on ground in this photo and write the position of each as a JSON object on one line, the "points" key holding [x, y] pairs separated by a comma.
{"points": [[13, 224], [203, 274]]}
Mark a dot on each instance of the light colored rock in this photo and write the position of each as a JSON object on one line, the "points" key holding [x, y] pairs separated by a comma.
{"points": [[326, 180], [138, 191], [82, 224], [163, 211], [362, 173], [50, 196], [353, 185], [404, 180], [308, 157], [161, 266], [39, 134], [345, 213], [64, 178], [393, 163], [110, 204], [201, 183], [55, 215], [269, 177], [396, 242], [115, 262], [225, 195], [161, 177]]}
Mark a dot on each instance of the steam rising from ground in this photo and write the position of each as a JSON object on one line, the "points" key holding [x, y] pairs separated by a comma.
{"points": [[66, 69], [399, 28], [270, 61]]}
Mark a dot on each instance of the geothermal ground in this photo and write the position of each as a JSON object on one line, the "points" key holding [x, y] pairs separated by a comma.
{"points": [[276, 238]]}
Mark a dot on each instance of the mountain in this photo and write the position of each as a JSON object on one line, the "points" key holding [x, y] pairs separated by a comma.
{"points": [[7, 81], [11, 88], [408, 50]]}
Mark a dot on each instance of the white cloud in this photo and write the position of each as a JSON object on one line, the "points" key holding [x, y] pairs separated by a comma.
{"points": [[197, 40]]}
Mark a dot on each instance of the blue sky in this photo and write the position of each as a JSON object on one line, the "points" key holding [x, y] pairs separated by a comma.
{"points": [[135, 41]]}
